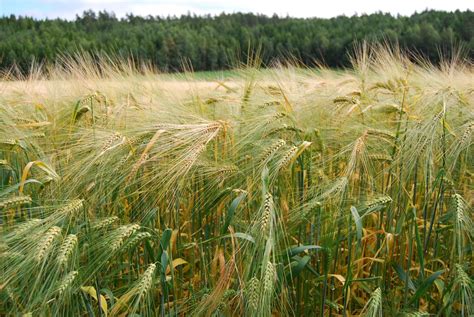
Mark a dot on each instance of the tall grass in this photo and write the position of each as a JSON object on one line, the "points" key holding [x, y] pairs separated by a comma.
{"points": [[285, 192]]}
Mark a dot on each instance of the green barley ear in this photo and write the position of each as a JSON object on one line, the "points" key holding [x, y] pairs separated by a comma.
{"points": [[226, 170], [271, 150], [137, 238], [269, 278], [26, 226], [286, 159], [267, 214], [380, 157], [268, 289], [146, 281], [276, 116], [389, 85], [104, 223], [378, 203], [66, 282], [9, 142], [465, 139], [226, 299], [463, 286], [45, 244], [343, 100], [463, 224], [72, 207], [132, 299], [463, 219], [111, 141], [318, 140], [382, 134], [252, 291], [15, 201], [373, 308], [66, 249], [416, 314], [122, 234]]}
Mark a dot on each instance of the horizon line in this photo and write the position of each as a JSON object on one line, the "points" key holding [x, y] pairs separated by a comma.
{"points": [[214, 15]]}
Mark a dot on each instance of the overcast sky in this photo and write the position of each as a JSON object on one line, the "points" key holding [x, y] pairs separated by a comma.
{"points": [[297, 8]]}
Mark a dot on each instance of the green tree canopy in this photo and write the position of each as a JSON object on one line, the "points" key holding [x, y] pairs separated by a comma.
{"points": [[210, 42]]}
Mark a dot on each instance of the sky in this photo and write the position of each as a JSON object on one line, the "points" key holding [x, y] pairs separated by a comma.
{"points": [[68, 9]]}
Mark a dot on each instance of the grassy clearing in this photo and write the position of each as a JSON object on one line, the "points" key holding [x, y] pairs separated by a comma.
{"points": [[281, 193]]}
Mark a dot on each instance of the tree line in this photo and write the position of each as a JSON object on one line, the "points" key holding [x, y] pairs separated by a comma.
{"points": [[216, 42]]}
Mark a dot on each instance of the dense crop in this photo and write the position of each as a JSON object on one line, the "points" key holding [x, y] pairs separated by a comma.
{"points": [[283, 192]]}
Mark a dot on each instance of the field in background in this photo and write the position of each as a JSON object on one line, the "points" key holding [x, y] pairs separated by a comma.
{"points": [[253, 192]]}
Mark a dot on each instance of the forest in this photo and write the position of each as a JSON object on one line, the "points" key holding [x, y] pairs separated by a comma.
{"points": [[219, 42]]}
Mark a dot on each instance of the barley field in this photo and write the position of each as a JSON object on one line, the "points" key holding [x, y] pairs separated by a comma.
{"points": [[277, 192]]}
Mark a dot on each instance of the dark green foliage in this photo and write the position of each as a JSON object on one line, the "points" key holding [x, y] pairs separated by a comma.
{"points": [[210, 43]]}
